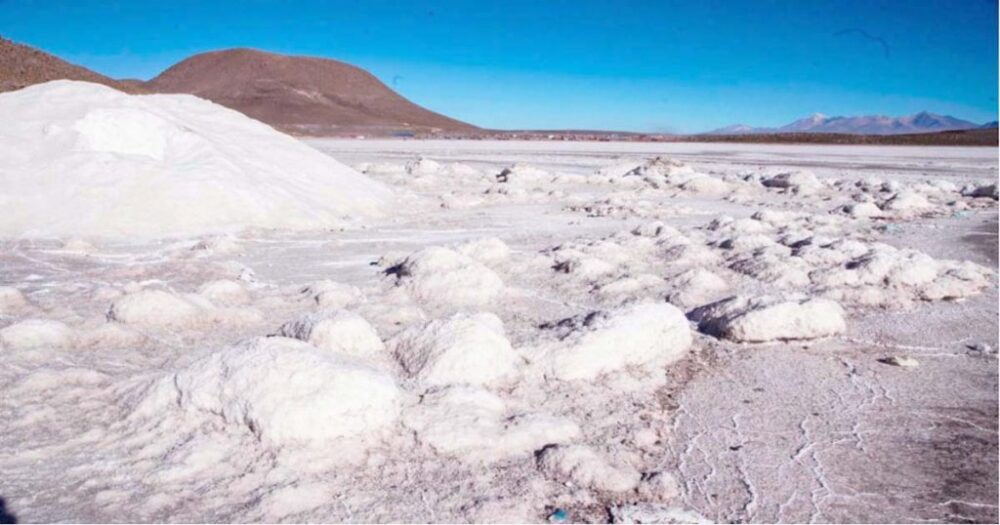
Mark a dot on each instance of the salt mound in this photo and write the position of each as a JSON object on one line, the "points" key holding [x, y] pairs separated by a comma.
{"points": [[488, 250], [470, 349], [983, 191], [442, 275], [695, 287], [475, 426], [705, 184], [11, 300], [330, 294], [633, 335], [660, 169], [522, 174], [163, 309], [801, 182], [81, 159], [288, 393], [906, 203], [156, 308], [36, 333], [225, 291], [862, 210], [338, 331], [585, 467], [422, 166], [770, 318]]}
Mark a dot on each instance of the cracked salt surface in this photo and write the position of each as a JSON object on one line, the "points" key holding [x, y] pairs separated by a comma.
{"points": [[501, 348]]}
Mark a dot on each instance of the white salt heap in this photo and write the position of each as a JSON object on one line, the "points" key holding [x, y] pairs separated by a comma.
{"points": [[81, 159], [444, 276], [475, 426], [469, 349], [284, 392], [643, 334], [770, 318]]}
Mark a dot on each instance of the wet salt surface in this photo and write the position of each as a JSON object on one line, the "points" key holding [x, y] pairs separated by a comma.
{"points": [[807, 430]]}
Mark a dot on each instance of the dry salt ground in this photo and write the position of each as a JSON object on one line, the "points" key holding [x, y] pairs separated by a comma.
{"points": [[617, 332]]}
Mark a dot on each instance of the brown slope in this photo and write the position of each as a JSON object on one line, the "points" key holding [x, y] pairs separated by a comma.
{"points": [[313, 96], [22, 66]]}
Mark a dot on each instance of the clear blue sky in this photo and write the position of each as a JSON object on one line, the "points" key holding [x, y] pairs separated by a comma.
{"points": [[635, 65]]}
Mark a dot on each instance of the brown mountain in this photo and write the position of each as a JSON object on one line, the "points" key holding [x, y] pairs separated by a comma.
{"points": [[305, 95], [22, 66]]}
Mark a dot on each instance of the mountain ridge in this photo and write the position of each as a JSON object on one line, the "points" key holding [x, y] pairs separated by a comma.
{"points": [[300, 94], [923, 122], [22, 66]]}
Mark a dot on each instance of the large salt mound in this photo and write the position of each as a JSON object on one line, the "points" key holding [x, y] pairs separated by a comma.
{"points": [[81, 159]]}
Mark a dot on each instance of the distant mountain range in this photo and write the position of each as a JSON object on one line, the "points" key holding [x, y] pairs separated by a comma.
{"points": [[923, 122], [318, 96]]}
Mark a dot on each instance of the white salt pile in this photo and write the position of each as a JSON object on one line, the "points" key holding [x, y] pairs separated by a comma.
{"points": [[332, 397], [81, 159]]}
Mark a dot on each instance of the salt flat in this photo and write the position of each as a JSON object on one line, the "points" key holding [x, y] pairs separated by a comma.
{"points": [[624, 331]]}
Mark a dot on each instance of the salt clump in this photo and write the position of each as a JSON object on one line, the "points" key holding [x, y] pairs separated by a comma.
{"points": [[225, 292], [642, 334], [157, 308], [163, 309], [488, 250], [696, 287], [338, 331], [422, 166], [907, 203], [585, 467], [863, 210], [247, 386], [441, 275], [476, 426], [11, 300], [330, 294], [984, 191], [799, 182], [522, 174], [36, 333], [770, 318], [463, 349]]}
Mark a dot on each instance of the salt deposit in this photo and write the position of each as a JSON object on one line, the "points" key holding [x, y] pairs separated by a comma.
{"points": [[474, 425], [643, 334], [440, 275], [585, 467], [11, 300], [800, 182], [163, 309], [582, 336], [81, 159], [338, 331], [36, 333], [463, 349], [247, 386], [226, 292], [158, 308], [770, 318]]}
